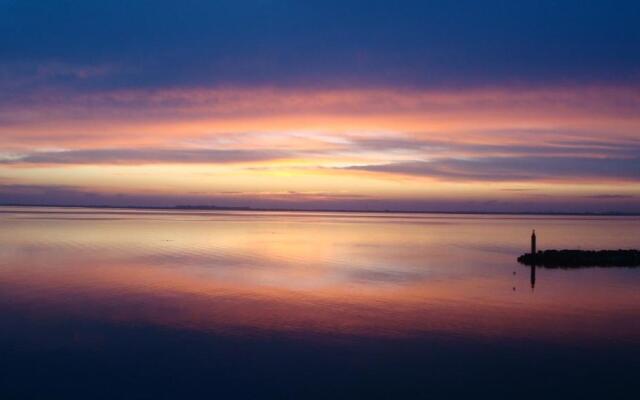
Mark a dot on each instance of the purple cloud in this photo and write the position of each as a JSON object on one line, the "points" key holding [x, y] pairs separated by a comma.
{"points": [[526, 168], [146, 156]]}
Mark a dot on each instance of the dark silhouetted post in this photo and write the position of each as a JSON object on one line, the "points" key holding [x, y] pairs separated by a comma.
{"points": [[533, 242]]}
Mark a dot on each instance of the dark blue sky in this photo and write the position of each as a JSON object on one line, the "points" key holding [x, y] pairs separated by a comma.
{"points": [[330, 43]]}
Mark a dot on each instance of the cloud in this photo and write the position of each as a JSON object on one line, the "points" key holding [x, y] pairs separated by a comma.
{"points": [[527, 168], [433, 119], [612, 196], [145, 156], [554, 147], [11, 193]]}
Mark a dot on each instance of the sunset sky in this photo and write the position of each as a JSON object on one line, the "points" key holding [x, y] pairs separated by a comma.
{"points": [[404, 105]]}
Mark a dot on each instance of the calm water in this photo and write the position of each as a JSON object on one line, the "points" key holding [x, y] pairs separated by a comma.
{"points": [[139, 304]]}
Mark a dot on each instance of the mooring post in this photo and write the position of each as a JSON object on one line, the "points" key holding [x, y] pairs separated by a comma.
{"points": [[533, 242]]}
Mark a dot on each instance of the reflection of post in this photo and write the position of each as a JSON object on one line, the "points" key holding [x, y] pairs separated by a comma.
{"points": [[533, 276], [533, 259], [533, 242]]}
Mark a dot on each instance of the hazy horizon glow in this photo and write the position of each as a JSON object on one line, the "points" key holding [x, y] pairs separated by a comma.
{"points": [[365, 117]]}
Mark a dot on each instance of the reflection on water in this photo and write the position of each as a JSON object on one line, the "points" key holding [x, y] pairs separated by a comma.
{"points": [[533, 276], [409, 304]]}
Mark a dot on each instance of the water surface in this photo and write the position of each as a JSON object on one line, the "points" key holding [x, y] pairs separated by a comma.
{"points": [[157, 304]]}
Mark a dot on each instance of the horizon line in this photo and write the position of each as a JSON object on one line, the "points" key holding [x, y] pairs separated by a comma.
{"points": [[324, 210]]}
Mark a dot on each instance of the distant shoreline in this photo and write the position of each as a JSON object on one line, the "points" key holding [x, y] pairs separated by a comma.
{"points": [[323, 210]]}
